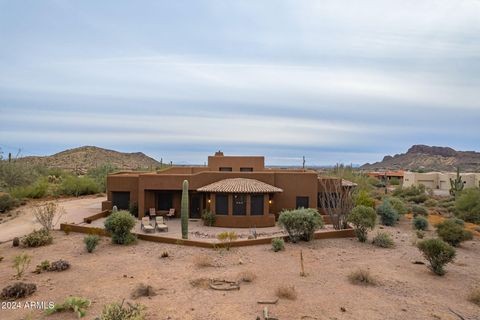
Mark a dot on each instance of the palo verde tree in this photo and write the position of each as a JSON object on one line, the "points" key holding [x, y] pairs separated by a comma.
{"points": [[184, 212]]}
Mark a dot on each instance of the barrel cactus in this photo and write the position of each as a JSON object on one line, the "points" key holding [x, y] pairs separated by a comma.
{"points": [[184, 214]]}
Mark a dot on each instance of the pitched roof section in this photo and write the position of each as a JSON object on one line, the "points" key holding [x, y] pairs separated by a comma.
{"points": [[239, 185]]}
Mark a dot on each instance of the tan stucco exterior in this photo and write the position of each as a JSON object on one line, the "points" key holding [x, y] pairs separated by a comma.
{"points": [[439, 180]]}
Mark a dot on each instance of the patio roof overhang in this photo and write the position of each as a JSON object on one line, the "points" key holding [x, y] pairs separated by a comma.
{"points": [[239, 185]]}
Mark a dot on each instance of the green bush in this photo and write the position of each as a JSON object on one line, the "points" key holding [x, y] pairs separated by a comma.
{"points": [[419, 210], [119, 224], [362, 218], [383, 240], [438, 253], [376, 182], [388, 215], [420, 223], [7, 202], [37, 239], [91, 241], [117, 311], [467, 205], [409, 191], [78, 305], [421, 198], [133, 209], [398, 205], [209, 218], [430, 203], [452, 232], [37, 190], [278, 244], [458, 221], [77, 186], [363, 199], [300, 224], [15, 174]]}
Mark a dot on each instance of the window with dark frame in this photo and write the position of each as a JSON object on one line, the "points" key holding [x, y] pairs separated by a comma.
{"points": [[302, 202], [221, 204], [246, 169], [164, 200], [239, 205], [256, 204], [225, 169]]}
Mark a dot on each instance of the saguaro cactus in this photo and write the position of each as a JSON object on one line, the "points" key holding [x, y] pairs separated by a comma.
{"points": [[184, 213], [456, 184]]}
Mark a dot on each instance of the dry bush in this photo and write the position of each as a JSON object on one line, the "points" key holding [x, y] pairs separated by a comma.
{"points": [[45, 215], [474, 296], [18, 290], [143, 290], [203, 261], [286, 292], [247, 276], [362, 277], [59, 265], [200, 283]]}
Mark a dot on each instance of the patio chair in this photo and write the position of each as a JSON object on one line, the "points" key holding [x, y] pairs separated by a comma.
{"points": [[160, 224], [146, 225], [152, 212], [171, 213]]}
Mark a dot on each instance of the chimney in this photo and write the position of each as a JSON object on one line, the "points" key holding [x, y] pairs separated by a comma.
{"points": [[219, 154]]}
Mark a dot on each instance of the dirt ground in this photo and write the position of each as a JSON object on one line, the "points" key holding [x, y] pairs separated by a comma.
{"points": [[111, 272]]}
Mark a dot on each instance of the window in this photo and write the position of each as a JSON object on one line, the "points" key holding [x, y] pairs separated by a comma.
{"points": [[302, 202], [164, 200], [256, 205], [239, 204], [328, 200], [225, 168], [221, 204], [246, 169]]}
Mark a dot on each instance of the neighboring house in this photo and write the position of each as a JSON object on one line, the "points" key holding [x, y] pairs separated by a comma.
{"points": [[239, 190], [440, 180], [387, 175]]}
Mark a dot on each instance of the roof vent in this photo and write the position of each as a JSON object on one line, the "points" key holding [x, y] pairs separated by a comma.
{"points": [[219, 154]]}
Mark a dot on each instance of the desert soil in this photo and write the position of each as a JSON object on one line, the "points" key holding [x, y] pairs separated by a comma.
{"points": [[404, 291]]}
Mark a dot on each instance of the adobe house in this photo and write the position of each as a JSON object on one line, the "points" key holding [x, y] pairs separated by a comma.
{"points": [[239, 190]]}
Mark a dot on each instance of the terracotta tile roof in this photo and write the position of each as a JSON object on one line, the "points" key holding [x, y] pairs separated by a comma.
{"points": [[239, 185]]}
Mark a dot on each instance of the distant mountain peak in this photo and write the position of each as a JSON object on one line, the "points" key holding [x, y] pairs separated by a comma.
{"points": [[432, 150]]}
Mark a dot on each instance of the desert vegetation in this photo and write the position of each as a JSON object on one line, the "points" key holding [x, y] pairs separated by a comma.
{"points": [[362, 218], [300, 224], [120, 224]]}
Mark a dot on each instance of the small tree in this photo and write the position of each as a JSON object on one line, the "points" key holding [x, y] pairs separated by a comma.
{"points": [[467, 205], [21, 263], [337, 201], [300, 224], [119, 225], [184, 210], [438, 253], [452, 232], [388, 215], [45, 215], [362, 218]]}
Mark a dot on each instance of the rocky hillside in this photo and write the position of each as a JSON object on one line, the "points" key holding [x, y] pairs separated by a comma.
{"points": [[79, 160], [429, 159]]}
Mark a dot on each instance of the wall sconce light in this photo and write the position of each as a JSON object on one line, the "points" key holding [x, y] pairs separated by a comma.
{"points": [[269, 201], [209, 201]]}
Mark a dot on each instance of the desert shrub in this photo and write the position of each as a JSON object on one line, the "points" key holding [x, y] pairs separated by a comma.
{"points": [[409, 191], [14, 174], [15, 242], [77, 186], [278, 244], [388, 215], [37, 190], [398, 205], [458, 221], [383, 240], [419, 210], [300, 224], [37, 239], [209, 218], [91, 241], [362, 277], [467, 205], [143, 290], [474, 296], [420, 234], [394, 181], [59, 265], [45, 215], [18, 290], [363, 199], [133, 209], [375, 182], [43, 266], [362, 218], [7, 202], [203, 261], [117, 311], [421, 198], [452, 232], [420, 223], [99, 175], [438, 253], [226, 238], [119, 225], [78, 305], [246, 276], [286, 292], [21, 263], [430, 203]]}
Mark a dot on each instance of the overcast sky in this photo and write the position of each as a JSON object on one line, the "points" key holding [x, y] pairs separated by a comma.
{"points": [[336, 81]]}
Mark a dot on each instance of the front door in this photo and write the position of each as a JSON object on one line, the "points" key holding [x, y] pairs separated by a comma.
{"points": [[195, 206]]}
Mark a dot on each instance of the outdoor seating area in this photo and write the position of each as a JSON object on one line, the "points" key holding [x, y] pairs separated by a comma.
{"points": [[154, 223]]}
